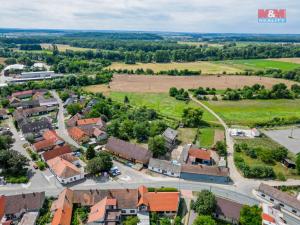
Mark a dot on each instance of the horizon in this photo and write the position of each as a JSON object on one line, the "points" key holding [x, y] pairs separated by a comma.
{"points": [[191, 16]]}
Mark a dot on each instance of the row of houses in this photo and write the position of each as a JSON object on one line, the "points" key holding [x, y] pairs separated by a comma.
{"points": [[137, 154], [21, 209], [59, 157], [110, 206]]}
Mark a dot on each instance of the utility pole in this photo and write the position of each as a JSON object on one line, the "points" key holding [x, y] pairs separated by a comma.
{"points": [[292, 132]]}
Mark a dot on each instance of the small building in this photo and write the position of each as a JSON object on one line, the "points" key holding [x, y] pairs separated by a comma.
{"points": [[35, 128], [64, 171], [200, 156], [100, 135], [19, 67], [72, 122], [91, 123], [164, 167], [170, 137], [277, 197], [50, 140], [228, 210], [48, 102], [129, 151], [78, 135], [163, 203], [61, 208], [255, 132], [289, 163], [205, 173], [56, 152], [29, 218]]}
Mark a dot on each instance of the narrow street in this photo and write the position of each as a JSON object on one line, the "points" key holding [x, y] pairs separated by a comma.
{"points": [[62, 130]]}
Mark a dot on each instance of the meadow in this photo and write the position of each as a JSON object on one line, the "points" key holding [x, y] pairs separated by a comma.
{"points": [[205, 67], [249, 112], [259, 64], [63, 48]]}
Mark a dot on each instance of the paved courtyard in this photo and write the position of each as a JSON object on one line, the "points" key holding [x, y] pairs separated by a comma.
{"points": [[283, 138]]}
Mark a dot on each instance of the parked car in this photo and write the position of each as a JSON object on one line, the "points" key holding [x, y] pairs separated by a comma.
{"points": [[115, 171], [35, 166], [129, 164]]}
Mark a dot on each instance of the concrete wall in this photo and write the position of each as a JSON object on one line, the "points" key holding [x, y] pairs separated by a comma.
{"points": [[168, 173]]}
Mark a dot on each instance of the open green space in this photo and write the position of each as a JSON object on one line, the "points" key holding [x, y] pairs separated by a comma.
{"points": [[186, 135], [266, 143], [259, 64], [162, 103], [249, 112], [206, 137]]}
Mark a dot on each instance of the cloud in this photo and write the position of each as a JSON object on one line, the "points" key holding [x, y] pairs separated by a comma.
{"points": [[150, 15]]}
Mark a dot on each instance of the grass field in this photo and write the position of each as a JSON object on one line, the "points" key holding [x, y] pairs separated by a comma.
{"points": [[205, 67], [206, 137], [266, 143], [186, 135], [290, 60], [259, 64], [162, 103], [248, 112], [63, 48]]}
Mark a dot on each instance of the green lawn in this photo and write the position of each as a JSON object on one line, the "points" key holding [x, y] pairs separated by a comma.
{"points": [[162, 103], [186, 135], [259, 64], [206, 137], [249, 112], [266, 143]]}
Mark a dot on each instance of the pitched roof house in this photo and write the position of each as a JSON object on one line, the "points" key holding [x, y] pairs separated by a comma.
{"points": [[164, 167], [126, 150], [201, 156], [72, 122], [51, 139], [78, 135], [158, 201], [62, 208], [228, 210], [56, 152], [35, 127], [170, 136], [65, 171]]}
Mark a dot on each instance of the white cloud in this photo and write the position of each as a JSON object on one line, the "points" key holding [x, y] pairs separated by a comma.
{"points": [[153, 15]]}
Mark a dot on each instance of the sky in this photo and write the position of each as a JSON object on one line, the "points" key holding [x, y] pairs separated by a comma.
{"points": [[203, 16]]}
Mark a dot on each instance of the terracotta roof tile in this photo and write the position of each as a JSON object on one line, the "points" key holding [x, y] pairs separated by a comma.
{"points": [[62, 208], [76, 133], [200, 153], [62, 168], [97, 211], [88, 121], [41, 145], [56, 152]]}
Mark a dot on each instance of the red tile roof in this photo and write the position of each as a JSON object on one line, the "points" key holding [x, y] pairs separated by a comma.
{"points": [[19, 93], [51, 134], [62, 208], [62, 168], [88, 121], [2, 205], [44, 144], [56, 152], [97, 211], [200, 153], [268, 218], [159, 201], [76, 133]]}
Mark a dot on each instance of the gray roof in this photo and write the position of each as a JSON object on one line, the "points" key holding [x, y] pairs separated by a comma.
{"points": [[279, 195], [36, 126], [184, 153], [128, 150], [228, 208], [170, 133], [206, 170], [165, 165]]}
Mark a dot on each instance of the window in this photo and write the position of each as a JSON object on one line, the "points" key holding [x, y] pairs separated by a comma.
{"points": [[282, 205], [263, 195], [123, 211], [271, 199], [294, 211], [132, 211]]}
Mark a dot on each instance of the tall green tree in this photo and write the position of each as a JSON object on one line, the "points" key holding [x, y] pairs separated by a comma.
{"points": [[102, 162], [192, 117], [157, 146], [204, 220], [250, 215], [206, 203]]}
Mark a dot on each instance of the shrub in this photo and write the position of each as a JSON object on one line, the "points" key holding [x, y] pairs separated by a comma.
{"points": [[17, 180], [281, 176], [41, 165]]}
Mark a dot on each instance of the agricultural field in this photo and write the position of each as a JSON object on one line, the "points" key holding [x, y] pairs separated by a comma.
{"points": [[205, 67], [290, 60], [2, 60], [198, 43], [162, 84], [103, 88], [63, 48], [164, 104], [259, 64], [266, 143], [249, 112]]}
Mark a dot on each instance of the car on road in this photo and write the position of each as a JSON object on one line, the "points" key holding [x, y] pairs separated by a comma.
{"points": [[115, 171]]}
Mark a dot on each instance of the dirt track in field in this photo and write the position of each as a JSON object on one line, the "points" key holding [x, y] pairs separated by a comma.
{"points": [[159, 84]]}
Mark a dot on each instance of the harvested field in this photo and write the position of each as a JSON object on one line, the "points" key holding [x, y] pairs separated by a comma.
{"points": [[103, 88], [219, 135], [162, 84], [63, 48], [2, 60], [291, 60]]}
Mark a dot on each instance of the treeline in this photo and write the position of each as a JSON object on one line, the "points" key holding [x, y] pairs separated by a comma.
{"points": [[174, 72], [59, 83], [257, 91], [29, 47], [179, 94]]}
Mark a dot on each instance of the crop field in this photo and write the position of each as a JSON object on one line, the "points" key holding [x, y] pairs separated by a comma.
{"points": [[162, 103], [266, 143], [290, 60], [162, 84], [63, 48], [260, 64], [205, 67], [248, 112], [2, 60]]}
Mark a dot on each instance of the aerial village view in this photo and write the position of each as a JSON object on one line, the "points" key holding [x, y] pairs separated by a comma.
{"points": [[139, 112]]}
